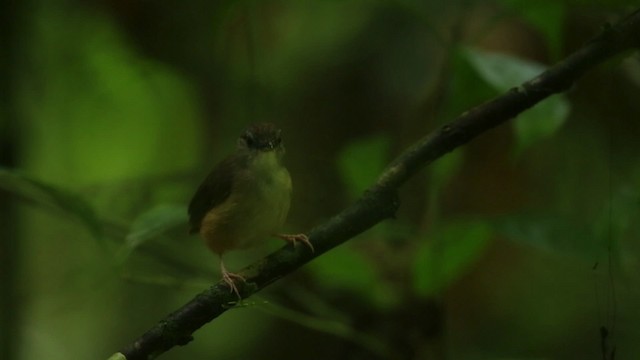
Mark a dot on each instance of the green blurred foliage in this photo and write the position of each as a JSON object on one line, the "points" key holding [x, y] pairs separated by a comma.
{"points": [[448, 253], [442, 172], [362, 161], [466, 88], [124, 106], [120, 102], [504, 72], [57, 199], [547, 16], [152, 224], [347, 269]]}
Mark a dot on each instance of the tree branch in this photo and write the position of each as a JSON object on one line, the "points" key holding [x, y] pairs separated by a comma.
{"points": [[380, 201]]}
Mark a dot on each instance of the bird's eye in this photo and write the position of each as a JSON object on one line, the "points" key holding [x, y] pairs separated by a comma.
{"points": [[278, 137], [248, 139]]}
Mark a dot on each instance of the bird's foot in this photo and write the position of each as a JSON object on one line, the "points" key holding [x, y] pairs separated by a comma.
{"points": [[294, 238], [229, 278]]}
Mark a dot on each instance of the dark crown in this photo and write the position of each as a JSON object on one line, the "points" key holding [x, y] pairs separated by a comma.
{"points": [[262, 136]]}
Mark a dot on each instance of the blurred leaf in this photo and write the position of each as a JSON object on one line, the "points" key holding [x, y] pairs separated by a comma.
{"points": [[466, 89], [362, 161], [617, 224], [444, 257], [631, 67], [310, 35], [441, 172], [333, 327], [541, 122], [392, 233], [117, 356], [344, 268], [44, 194], [504, 72], [139, 109], [586, 238], [153, 224], [550, 232], [443, 169]]}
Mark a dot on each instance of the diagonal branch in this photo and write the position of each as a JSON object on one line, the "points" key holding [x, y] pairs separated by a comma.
{"points": [[380, 201]]}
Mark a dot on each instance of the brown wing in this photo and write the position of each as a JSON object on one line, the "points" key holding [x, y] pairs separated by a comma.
{"points": [[213, 191]]}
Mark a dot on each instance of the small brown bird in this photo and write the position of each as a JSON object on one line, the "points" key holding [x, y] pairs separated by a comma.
{"points": [[245, 198]]}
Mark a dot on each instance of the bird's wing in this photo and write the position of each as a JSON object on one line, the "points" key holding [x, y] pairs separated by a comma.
{"points": [[213, 191]]}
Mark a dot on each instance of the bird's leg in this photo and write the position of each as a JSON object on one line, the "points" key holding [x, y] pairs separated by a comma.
{"points": [[294, 238], [229, 278]]}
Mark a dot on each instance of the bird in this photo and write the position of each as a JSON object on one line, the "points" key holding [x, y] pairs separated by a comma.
{"points": [[245, 198]]}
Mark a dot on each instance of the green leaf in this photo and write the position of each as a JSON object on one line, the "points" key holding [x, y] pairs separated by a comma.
{"points": [[466, 89], [576, 236], [504, 72], [136, 106], [345, 268], [443, 169], [550, 232], [362, 161], [541, 122], [44, 194], [154, 223], [117, 356], [446, 255]]}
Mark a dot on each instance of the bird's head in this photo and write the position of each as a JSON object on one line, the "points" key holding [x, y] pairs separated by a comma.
{"points": [[261, 137]]}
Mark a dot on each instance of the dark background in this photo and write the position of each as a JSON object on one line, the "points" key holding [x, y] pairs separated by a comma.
{"points": [[520, 245]]}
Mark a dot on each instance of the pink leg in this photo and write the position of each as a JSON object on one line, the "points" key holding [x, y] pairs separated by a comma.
{"points": [[294, 238], [230, 277]]}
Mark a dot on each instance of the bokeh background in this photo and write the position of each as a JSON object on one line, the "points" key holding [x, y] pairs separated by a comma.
{"points": [[521, 245]]}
